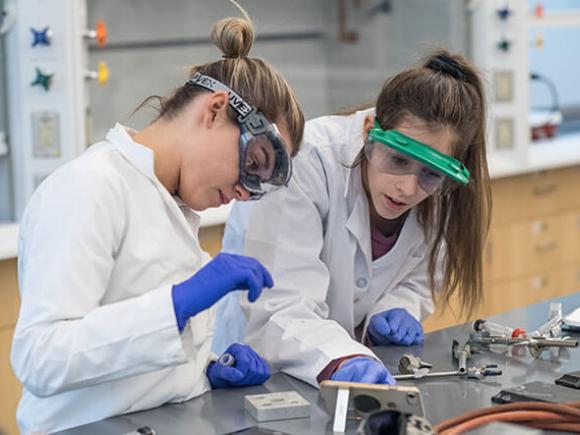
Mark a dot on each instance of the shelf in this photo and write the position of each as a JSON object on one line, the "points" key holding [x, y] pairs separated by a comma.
{"points": [[557, 19], [563, 150]]}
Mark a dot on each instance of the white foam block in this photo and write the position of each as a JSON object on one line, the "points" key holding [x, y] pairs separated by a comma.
{"points": [[283, 405]]}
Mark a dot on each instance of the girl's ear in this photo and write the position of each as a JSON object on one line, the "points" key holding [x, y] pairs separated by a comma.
{"points": [[217, 106], [369, 123]]}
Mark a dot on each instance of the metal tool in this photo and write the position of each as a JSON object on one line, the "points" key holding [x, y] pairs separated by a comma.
{"points": [[409, 364], [227, 359], [487, 328], [553, 327], [145, 430], [535, 345], [483, 371], [412, 368], [422, 375], [461, 354], [471, 373]]}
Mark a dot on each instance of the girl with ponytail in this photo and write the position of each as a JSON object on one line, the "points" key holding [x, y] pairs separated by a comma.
{"points": [[388, 207]]}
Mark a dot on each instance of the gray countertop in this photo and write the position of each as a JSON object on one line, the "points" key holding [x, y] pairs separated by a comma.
{"points": [[222, 411]]}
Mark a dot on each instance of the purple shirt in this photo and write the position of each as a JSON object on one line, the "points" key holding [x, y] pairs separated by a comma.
{"points": [[382, 244]]}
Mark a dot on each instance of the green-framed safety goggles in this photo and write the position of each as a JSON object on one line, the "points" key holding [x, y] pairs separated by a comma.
{"points": [[442, 163]]}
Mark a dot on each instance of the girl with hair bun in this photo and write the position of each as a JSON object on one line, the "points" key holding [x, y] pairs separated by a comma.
{"points": [[117, 297], [387, 206]]}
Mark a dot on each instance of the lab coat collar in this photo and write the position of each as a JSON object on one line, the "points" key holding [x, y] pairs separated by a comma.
{"points": [[354, 143], [140, 156], [358, 221]]}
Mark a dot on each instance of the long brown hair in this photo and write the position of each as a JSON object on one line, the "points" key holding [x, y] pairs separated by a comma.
{"points": [[445, 91], [252, 78]]}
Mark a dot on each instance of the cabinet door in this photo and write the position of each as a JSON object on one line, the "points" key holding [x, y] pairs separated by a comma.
{"points": [[515, 293], [535, 195], [531, 246], [10, 390], [9, 297], [452, 315], [210, 239], [571, 283]]}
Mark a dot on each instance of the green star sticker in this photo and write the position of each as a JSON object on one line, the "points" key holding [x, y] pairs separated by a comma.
{"points": [[42, 79]]}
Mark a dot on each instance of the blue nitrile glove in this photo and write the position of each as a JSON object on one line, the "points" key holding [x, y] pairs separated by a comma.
{"points": [[223, 274], [365, 370], [395, 326], [249, 369]]}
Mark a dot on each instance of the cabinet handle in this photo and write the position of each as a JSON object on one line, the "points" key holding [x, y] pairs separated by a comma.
{"points": [[546, 247], [539, 282], [539, 227], [544, 190]]}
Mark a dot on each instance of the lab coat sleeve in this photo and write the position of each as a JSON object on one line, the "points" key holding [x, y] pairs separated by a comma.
{"points": [[289, 324], [65, 337]]}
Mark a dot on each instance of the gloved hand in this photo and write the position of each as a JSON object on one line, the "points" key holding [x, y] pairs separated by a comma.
{"points": [[365, 370], [395, 326], [249, 369], [226, 272]]}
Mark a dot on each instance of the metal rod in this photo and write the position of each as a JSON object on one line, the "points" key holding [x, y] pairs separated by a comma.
{"points": [[430, 375], [188, 42]]}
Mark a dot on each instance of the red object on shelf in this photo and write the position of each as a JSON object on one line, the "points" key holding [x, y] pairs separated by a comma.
{"points": [[546, 131], [101, 33]]}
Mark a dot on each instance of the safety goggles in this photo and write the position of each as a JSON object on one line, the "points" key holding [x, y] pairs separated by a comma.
{"points": [[265, 164], [404, 155]]}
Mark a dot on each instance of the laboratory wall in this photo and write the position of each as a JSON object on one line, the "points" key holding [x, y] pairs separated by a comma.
{"points": [[383, 37], [151, 54], [303, 39]]}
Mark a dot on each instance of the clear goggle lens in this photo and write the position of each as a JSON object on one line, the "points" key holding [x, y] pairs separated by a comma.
{"points": [[388, 160], [266, 163]]}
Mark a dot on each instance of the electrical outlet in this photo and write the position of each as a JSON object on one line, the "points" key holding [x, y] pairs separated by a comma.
{"points": [[46, 135], [504, 86], [504, 134]]}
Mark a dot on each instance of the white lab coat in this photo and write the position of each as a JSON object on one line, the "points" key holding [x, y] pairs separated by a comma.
{"points": [[314, 237], [101, 243]]}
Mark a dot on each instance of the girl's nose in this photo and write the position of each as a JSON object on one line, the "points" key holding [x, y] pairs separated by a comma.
{"points": [[408, 184]]}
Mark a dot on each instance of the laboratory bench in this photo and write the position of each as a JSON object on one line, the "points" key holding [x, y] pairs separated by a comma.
{"points": [[222, 411]]}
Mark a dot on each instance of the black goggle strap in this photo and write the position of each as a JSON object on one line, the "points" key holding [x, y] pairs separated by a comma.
{"points": [[249, 117], [237, 103]]}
